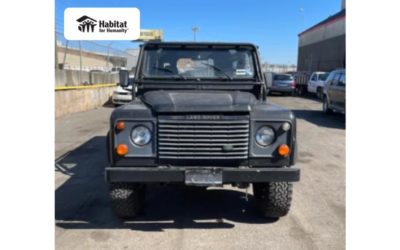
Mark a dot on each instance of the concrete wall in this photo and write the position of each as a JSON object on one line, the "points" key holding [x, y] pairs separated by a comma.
{"points": [[71, 77], [78, 100], [104, 77], [90, 60]]}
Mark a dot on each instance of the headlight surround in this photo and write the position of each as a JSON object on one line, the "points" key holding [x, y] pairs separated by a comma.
{"points": [[141, 135], [265, 136]]}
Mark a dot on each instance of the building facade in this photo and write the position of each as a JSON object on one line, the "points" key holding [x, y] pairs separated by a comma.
{"points": [[322, 47]]}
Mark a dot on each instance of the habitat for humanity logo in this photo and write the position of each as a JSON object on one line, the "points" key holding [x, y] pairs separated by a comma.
{"points": [[101, 23], [86, 24]]}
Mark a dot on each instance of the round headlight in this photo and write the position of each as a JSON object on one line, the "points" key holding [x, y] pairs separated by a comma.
{"points": [[141, 135], [265, 136]]}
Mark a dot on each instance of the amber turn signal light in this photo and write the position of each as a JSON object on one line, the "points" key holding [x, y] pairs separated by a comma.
{"points": [[122, 149], [120, 126], [283, 150]]}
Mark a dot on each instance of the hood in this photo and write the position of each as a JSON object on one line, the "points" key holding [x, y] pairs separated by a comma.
{"points": [[199, 101]]}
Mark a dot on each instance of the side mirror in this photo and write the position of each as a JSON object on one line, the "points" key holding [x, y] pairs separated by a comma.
{"points": [[124, 78]]}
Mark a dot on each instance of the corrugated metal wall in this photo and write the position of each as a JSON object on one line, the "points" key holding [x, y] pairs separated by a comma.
{"points": [[323, 48], [326, 55]]}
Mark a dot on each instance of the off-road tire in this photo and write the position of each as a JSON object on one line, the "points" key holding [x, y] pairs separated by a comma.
{"points": [[273, 199], [127, 199]]}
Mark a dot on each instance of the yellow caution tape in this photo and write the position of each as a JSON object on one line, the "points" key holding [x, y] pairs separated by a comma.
{"points": [[86, 86]]}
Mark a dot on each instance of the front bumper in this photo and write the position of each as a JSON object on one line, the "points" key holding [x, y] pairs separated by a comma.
{"points": [[177, 174], [285, 89], [121, 98]]}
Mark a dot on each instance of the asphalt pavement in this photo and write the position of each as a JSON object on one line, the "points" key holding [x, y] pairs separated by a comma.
{"points": [[187, 218]]}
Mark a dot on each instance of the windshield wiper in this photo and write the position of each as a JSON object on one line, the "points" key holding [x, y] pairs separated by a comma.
{"points": [[170, 71], [218, 69]]}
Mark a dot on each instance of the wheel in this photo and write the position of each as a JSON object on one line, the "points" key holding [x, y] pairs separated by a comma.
{"points": [[325, 106], [273, 199], [319, 93], [127, 199], [300, 91]]}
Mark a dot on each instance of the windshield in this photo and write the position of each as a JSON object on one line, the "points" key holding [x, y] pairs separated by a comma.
{"points": [[283, 77], [186, 63], [323, 77]]}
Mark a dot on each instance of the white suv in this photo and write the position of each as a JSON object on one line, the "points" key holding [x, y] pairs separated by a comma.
{"points": [[317, 82]]}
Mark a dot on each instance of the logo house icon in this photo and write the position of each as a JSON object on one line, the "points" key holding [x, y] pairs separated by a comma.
{"points": [[86, 24]]}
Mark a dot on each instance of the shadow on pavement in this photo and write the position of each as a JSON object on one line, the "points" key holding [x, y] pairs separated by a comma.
{"points": [[82, 201], [108, 104], [319, 118]]}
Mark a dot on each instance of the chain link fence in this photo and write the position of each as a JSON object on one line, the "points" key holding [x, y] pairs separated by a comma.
{"points": [[86, 62]]}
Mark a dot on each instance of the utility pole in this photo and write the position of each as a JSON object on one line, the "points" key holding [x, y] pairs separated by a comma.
{"points": [[65, 53], [194, 29], [80, 63], [108, 55], [55, 50]]}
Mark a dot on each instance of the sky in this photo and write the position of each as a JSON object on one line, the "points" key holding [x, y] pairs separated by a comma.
{"points": [[273, 25]]}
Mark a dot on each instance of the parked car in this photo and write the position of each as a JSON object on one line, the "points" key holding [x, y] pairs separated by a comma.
{"points": [[316, 83], [281, 83], [334, 98], [122, 95]]}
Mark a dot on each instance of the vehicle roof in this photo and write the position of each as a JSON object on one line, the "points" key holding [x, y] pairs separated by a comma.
{"points": [[176, 43], [319, 72], [338, 70]]}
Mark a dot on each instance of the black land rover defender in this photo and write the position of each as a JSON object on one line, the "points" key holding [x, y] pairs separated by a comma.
{"points": [[199, 116]]}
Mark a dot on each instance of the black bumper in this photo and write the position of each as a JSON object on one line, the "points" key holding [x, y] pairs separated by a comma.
{"points": [[177, 174]]}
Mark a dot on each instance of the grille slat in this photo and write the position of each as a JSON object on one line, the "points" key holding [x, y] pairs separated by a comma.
{"points": [[193, 149], [195, 122], [199, 144], [210, 140], [193, 131], [204, 157], [203, 139], [223, 136], [239, 126]]}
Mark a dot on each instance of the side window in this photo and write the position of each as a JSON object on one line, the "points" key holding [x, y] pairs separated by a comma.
{"points": [[314, 77], [335, 80], [329, 79]]}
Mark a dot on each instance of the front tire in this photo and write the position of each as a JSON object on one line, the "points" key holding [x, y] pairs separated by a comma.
{"points": [[273, 199], [325, 106], [319, 93], [127, 199]]}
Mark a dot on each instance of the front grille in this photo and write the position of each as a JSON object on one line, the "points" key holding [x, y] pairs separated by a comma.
{"points": [[203, 139]]}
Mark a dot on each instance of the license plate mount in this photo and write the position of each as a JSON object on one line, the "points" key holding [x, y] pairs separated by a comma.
{"points": [[203, 177]]}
